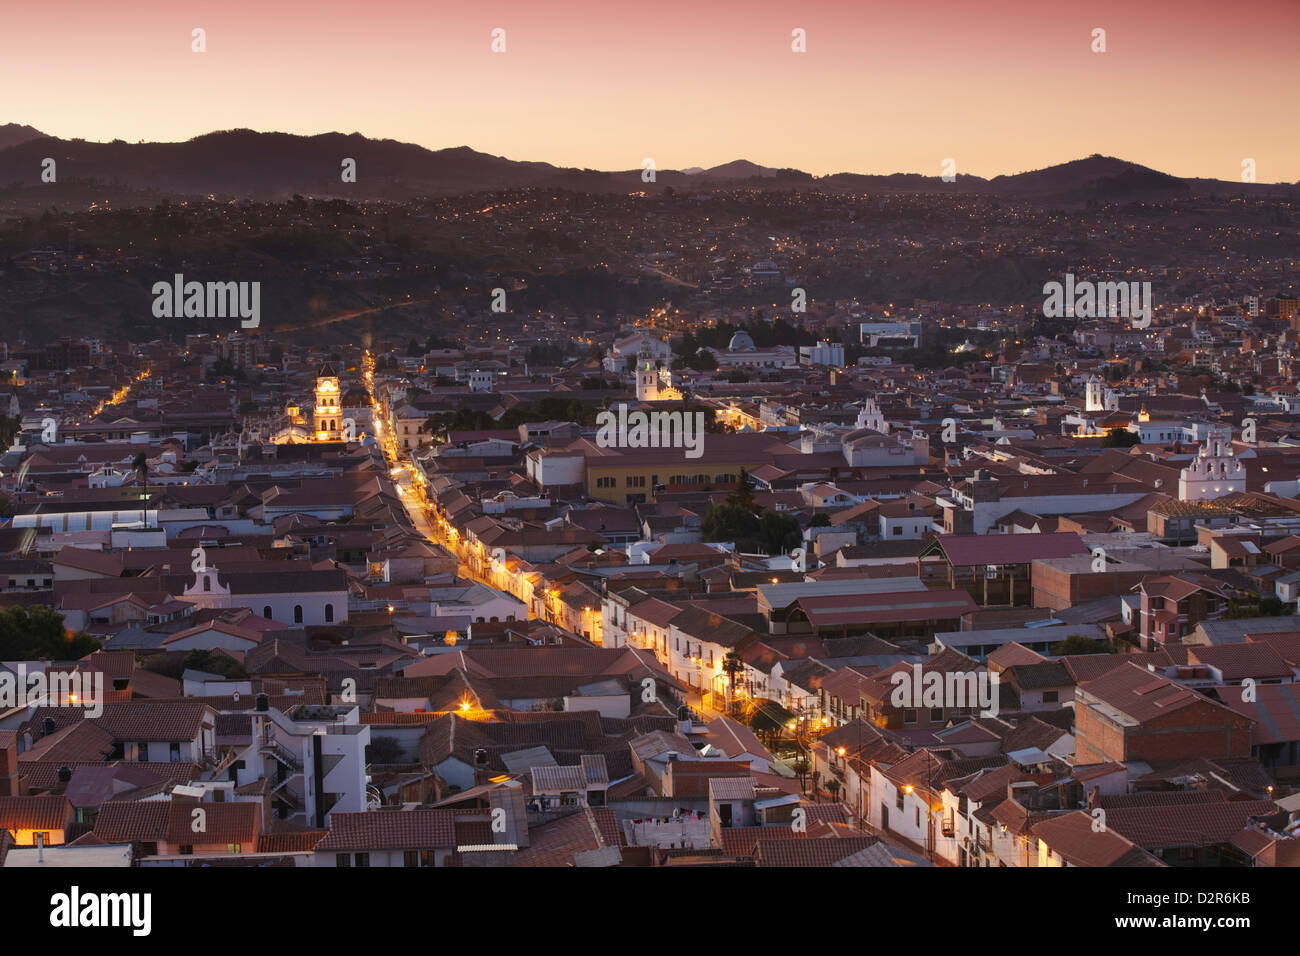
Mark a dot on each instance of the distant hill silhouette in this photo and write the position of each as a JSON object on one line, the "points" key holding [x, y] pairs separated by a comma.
{"points": [[246, 164], [11, 134]]}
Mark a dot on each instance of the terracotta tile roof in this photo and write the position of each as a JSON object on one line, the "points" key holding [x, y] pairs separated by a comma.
{"points": [[1141, 695], [965, 550], [165, 720], [774, 851], [1186, 825], [740, 842], [297, 842], [85, 741], [222, 822], [1239, 661], [43, 775], [1073, 838], [132, 822], [558, 842], [35, 813], [418, 829]]}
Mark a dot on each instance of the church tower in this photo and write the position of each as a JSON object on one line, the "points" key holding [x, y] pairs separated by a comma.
{"points": [[328, 426], [647, 376], [1094, 398], [1214, 472]]}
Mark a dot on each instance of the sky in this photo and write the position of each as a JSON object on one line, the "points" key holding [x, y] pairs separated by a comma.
{"points": [[1189, 87]]}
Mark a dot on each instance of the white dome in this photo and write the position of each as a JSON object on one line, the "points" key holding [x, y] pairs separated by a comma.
{"points": [[741, 342]]}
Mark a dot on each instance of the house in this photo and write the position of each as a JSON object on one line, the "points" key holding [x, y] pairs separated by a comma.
{"points": [[1173, 605], [1073, 839], [1132, 714], [170, 832], [29, 818]]}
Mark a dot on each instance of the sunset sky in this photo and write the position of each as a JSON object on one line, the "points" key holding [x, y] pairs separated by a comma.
{"points": [[1190, 87]]}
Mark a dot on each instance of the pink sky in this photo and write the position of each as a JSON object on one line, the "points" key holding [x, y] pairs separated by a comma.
{"points": [[1190, 87]]}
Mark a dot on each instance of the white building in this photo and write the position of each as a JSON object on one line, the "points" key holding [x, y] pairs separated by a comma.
{"points": [[1095, 400], [742, 353], [1213, 473], [830, 354], [873, 332], [314, 757], [295, 598]]}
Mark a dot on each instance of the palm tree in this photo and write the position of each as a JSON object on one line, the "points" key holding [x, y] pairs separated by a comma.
{"points": [[732, 664]]}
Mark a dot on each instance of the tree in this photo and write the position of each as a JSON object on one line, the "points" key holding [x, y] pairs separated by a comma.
{"points": [[383, 750], [732, 664], [1119, 438], [801, 768], [213, 663], [37, 633], [743, 496], [1078, 644], [779, 533]]}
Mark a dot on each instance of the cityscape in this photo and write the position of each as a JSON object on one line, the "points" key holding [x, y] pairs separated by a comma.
{"points": [[382, 504]]}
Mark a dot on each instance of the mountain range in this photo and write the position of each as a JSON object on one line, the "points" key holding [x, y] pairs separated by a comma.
{"points": [[270, 166]]}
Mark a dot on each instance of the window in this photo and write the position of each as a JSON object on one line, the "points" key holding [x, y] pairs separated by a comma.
{"points": [[899, 802], [266, 612], [363, 859], [297, 614], [898, 530], [174, 752], [343, 860], [411, 858], [187, 849], [909, 717], [1051, 696], [207, 583], [936, 714], [234, 848], [329, 613]]}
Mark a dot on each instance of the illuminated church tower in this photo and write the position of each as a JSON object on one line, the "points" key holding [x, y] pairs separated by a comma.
{"points": [[327, 422], [647, 376]]}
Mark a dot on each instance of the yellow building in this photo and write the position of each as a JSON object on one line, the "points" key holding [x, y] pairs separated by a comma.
{"points": [[327, 416]]}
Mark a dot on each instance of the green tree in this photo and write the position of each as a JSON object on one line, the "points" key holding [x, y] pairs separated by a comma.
{"points": [[1119, 438], [779, 533], [37, 633], [732, 665], [1078, 644], [213, 663], [743, 496]]}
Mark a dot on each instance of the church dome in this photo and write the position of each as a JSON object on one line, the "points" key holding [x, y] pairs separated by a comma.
{"points": [[741, 342]]}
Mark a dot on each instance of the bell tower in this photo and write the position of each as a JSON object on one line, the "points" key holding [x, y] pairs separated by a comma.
{"points": [[647, 375], [328, 427]]}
